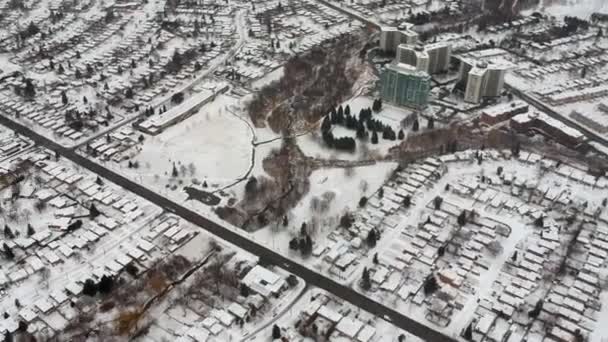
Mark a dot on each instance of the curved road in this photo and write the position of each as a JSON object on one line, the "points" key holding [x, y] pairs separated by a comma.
{"points": [[230, 235]]}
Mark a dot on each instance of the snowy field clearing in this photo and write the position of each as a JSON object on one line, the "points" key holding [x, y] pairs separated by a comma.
{"points": [[213, 146]]}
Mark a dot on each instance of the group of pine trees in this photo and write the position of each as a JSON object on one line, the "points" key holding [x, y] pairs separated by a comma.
{"points": [[150, 110], [104, 286], [303, 243], [363, 124]]}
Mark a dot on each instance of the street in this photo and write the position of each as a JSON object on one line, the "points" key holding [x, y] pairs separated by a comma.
{"points": [[230, 234]]}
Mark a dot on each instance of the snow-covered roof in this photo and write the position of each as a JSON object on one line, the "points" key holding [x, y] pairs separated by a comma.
{"points": [[263, 281]]}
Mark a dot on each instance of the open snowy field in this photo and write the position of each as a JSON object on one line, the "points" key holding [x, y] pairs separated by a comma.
{"points": [[213, 146]]}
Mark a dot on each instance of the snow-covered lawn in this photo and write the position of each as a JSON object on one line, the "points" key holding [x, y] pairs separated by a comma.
{"points": [[213, 145]]}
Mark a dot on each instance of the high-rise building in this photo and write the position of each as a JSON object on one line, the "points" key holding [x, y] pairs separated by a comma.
{"points": [[439, 57], [403, 85], [476, 83], [481, 80], [465, 67], [433, 58], [495, 80], [413, 55], [391, 37]]}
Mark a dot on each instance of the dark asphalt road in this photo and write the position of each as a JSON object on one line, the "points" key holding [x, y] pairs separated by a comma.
{"points": [[313, 278]]}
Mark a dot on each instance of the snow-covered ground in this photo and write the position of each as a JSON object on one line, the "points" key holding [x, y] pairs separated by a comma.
{"points": [[580, 8], [213, 146]]}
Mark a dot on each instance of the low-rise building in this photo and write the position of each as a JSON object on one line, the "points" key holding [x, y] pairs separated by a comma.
{"points": [[264, 282]]}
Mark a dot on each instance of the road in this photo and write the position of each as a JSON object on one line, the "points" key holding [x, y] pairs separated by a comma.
{"points": [[350, 14], [231, 235], [552, 113]]}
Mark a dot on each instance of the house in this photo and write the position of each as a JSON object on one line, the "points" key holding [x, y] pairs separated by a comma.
{"points": [[264, 282]]}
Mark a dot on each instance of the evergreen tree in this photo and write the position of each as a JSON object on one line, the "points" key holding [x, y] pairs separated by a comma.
{"points": [[468, 333], [303, 229], [64, 98], [8, 232], [362, 201], [244, 290], [374, 137], [365, 280], [93, 212], [294, 244], [401, 135], [326, 125], [276, 332], [375, 259], [89, 288], [174, 172], [30, 90], [8, 252], [430, 124], [340, 116], [308, 245], [537, 308], [371, 238], [437, 201], [430, 285], [105, 284], [415, 126], [346, 221], [462, 218], [361, 133], [514, 257], [407, 201], [347, 110], [30, 230]]}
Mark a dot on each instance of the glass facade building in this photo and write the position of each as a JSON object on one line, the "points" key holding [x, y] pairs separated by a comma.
{"points": [[403, 85]]}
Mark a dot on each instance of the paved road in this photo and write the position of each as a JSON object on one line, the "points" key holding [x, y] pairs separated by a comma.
{"points": [[552, 113], [348, 13], [230, 234]]}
